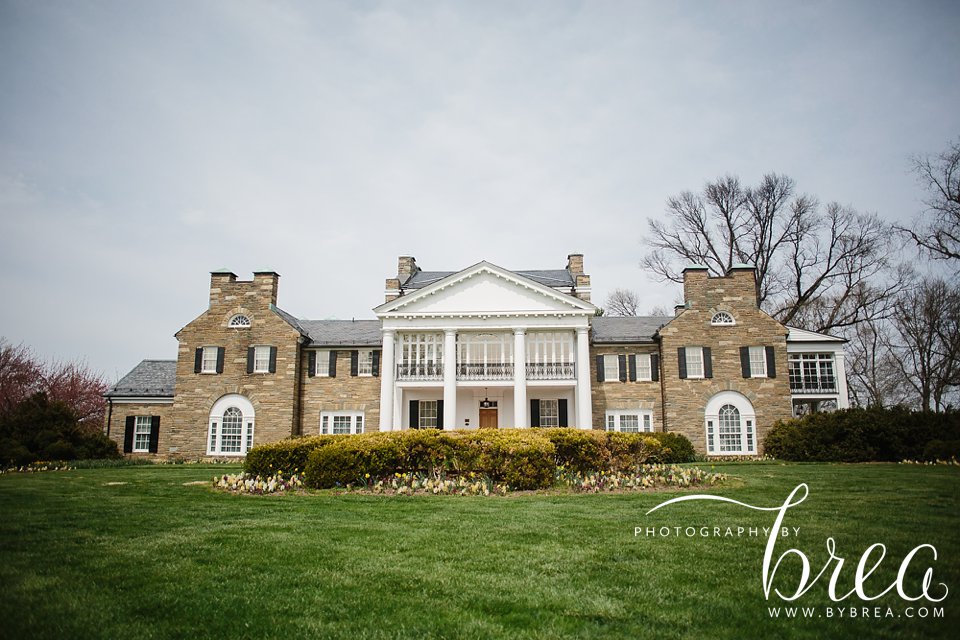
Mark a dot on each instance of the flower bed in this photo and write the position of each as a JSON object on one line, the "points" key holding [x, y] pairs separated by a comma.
{"points": [[258, 485], [650, 476]]}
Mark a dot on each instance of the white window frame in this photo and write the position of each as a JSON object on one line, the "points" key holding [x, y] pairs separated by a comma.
{"points": [[261, 359], [644, 367], [142, 428], [215, 425], [688, 353], [208, 363], [322, 365], [239, 321], [550, 412], [615, 420], [719, 443], [365, 363], [758, 362], [350, 422], [723, 319], [615, 359], [428, 409]]}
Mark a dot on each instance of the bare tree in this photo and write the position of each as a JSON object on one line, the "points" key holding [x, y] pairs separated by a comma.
{"points": [[622, 302], [926, 342], [821, 268], [939, 234], [875, 378]]}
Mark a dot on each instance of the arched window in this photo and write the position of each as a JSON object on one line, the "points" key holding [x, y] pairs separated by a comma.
{"points": [[239, 321], [722, 319], [231, 426], [730, 425]]}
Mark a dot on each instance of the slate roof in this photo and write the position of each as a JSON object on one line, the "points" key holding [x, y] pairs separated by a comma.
{"points": [[614, 330], [149, 379], [354, 333], [546, 277]]}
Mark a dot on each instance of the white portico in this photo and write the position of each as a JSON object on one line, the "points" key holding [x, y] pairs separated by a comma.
{"points": [[485, 347]]}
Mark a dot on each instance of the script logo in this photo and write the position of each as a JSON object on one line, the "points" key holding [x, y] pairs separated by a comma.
{"points": [[869, 562]]}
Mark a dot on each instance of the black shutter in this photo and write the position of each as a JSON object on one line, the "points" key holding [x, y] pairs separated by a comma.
{"points": [[128, 435], [333, 364], [273, 359], [632, 367], [311, 363], [622, 367], [771, 363], [682, 361], [745, 361], [354, 362], [198, 360], [414, 414], [441, 422], [562, 413], [707, 363], [599, 368], [251, 355], [154, 433], [376, 364], [220, 354], [534, 413], [655, 367]]}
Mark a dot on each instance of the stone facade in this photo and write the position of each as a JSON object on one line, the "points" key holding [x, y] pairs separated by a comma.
{"points": [[280, 392]]}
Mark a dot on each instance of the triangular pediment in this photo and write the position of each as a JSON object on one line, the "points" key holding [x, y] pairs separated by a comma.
{"points": [[485, 289]]}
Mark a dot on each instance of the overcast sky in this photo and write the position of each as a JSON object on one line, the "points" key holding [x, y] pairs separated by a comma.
{"points": [[144, 144]]}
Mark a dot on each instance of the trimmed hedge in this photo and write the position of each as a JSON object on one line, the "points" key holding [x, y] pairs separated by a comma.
{"points": [[865, 435], [288, 456], [676, 447]]}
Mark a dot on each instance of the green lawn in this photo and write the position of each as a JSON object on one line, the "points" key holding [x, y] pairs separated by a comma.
{"points": [[157, 557]]}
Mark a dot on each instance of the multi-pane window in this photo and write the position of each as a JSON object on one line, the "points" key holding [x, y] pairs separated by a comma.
{"points": [[230, 433], [549, 413], [722, 318], [341, 422], [239, 321], [261, 359], [694, 357], [209, 360], [729, 429], [421, 356], [812, 373], [141, 434], [758, 362], [611, 367], [428, 414], [323, 364], [729, 432], [643, 367], [550, 355], [365, 363], [630, 421]]}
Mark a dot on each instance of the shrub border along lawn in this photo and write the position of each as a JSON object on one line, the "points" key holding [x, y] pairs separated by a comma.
{"points": [[518, 458]]}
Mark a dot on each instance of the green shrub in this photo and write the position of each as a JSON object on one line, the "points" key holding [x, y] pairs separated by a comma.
{"points": [[942, 450], [289, 456], [521, 458], [579, 450], [630, 450], [676, 447], [861, 435]]}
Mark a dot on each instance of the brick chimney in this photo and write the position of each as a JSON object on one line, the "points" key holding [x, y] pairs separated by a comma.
{"points": [[581, 281], [265, 283]]}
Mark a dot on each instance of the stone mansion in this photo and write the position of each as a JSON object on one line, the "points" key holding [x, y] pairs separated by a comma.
{"points": [[480, 348]]}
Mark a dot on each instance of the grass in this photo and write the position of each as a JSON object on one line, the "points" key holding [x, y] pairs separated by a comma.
{"points": [[84, 556]]}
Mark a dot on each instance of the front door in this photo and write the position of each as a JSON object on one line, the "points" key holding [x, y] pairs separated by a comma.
{"points": [[488, 418]]}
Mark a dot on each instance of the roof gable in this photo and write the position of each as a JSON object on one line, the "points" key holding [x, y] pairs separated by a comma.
{"points": [[485, 288]]}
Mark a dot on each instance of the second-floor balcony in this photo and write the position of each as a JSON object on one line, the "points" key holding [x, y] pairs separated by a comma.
{"points": [[824, 384], [485, 371], [551, 371], [421, 371], [433, 371]]}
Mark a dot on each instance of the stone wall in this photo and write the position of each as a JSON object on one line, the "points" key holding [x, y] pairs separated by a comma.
{"points": [[273, 395], [341, 393], [613, 394], [116, 421], [685, 400]]}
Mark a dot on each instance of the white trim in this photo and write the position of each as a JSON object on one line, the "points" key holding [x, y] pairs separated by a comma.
{"points": [[235, 318], [137, 431], [723, 323], [802, 335], [203, 358], [328, 422], [748, 424], [762, 371], [686, 354], [257, 350], [215, 435], [141, 400], [613, 420]]}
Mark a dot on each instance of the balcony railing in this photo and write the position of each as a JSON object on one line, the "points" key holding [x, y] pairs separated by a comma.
{"points": [[813, 385], [430, 371], [550, 371], [485, 371]]}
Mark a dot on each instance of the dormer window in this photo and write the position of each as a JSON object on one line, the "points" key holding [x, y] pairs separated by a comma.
{"points": [[722, 319], [239, 321]]}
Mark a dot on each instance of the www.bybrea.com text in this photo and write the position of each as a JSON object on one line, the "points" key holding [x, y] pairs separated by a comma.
{"points": [[713, 532], [855, 613]]}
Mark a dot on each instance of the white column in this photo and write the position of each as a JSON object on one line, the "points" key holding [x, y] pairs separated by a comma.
{"points": [[519, 379], [843, 400], [387, 371], [584, 400], [449, 379]]}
